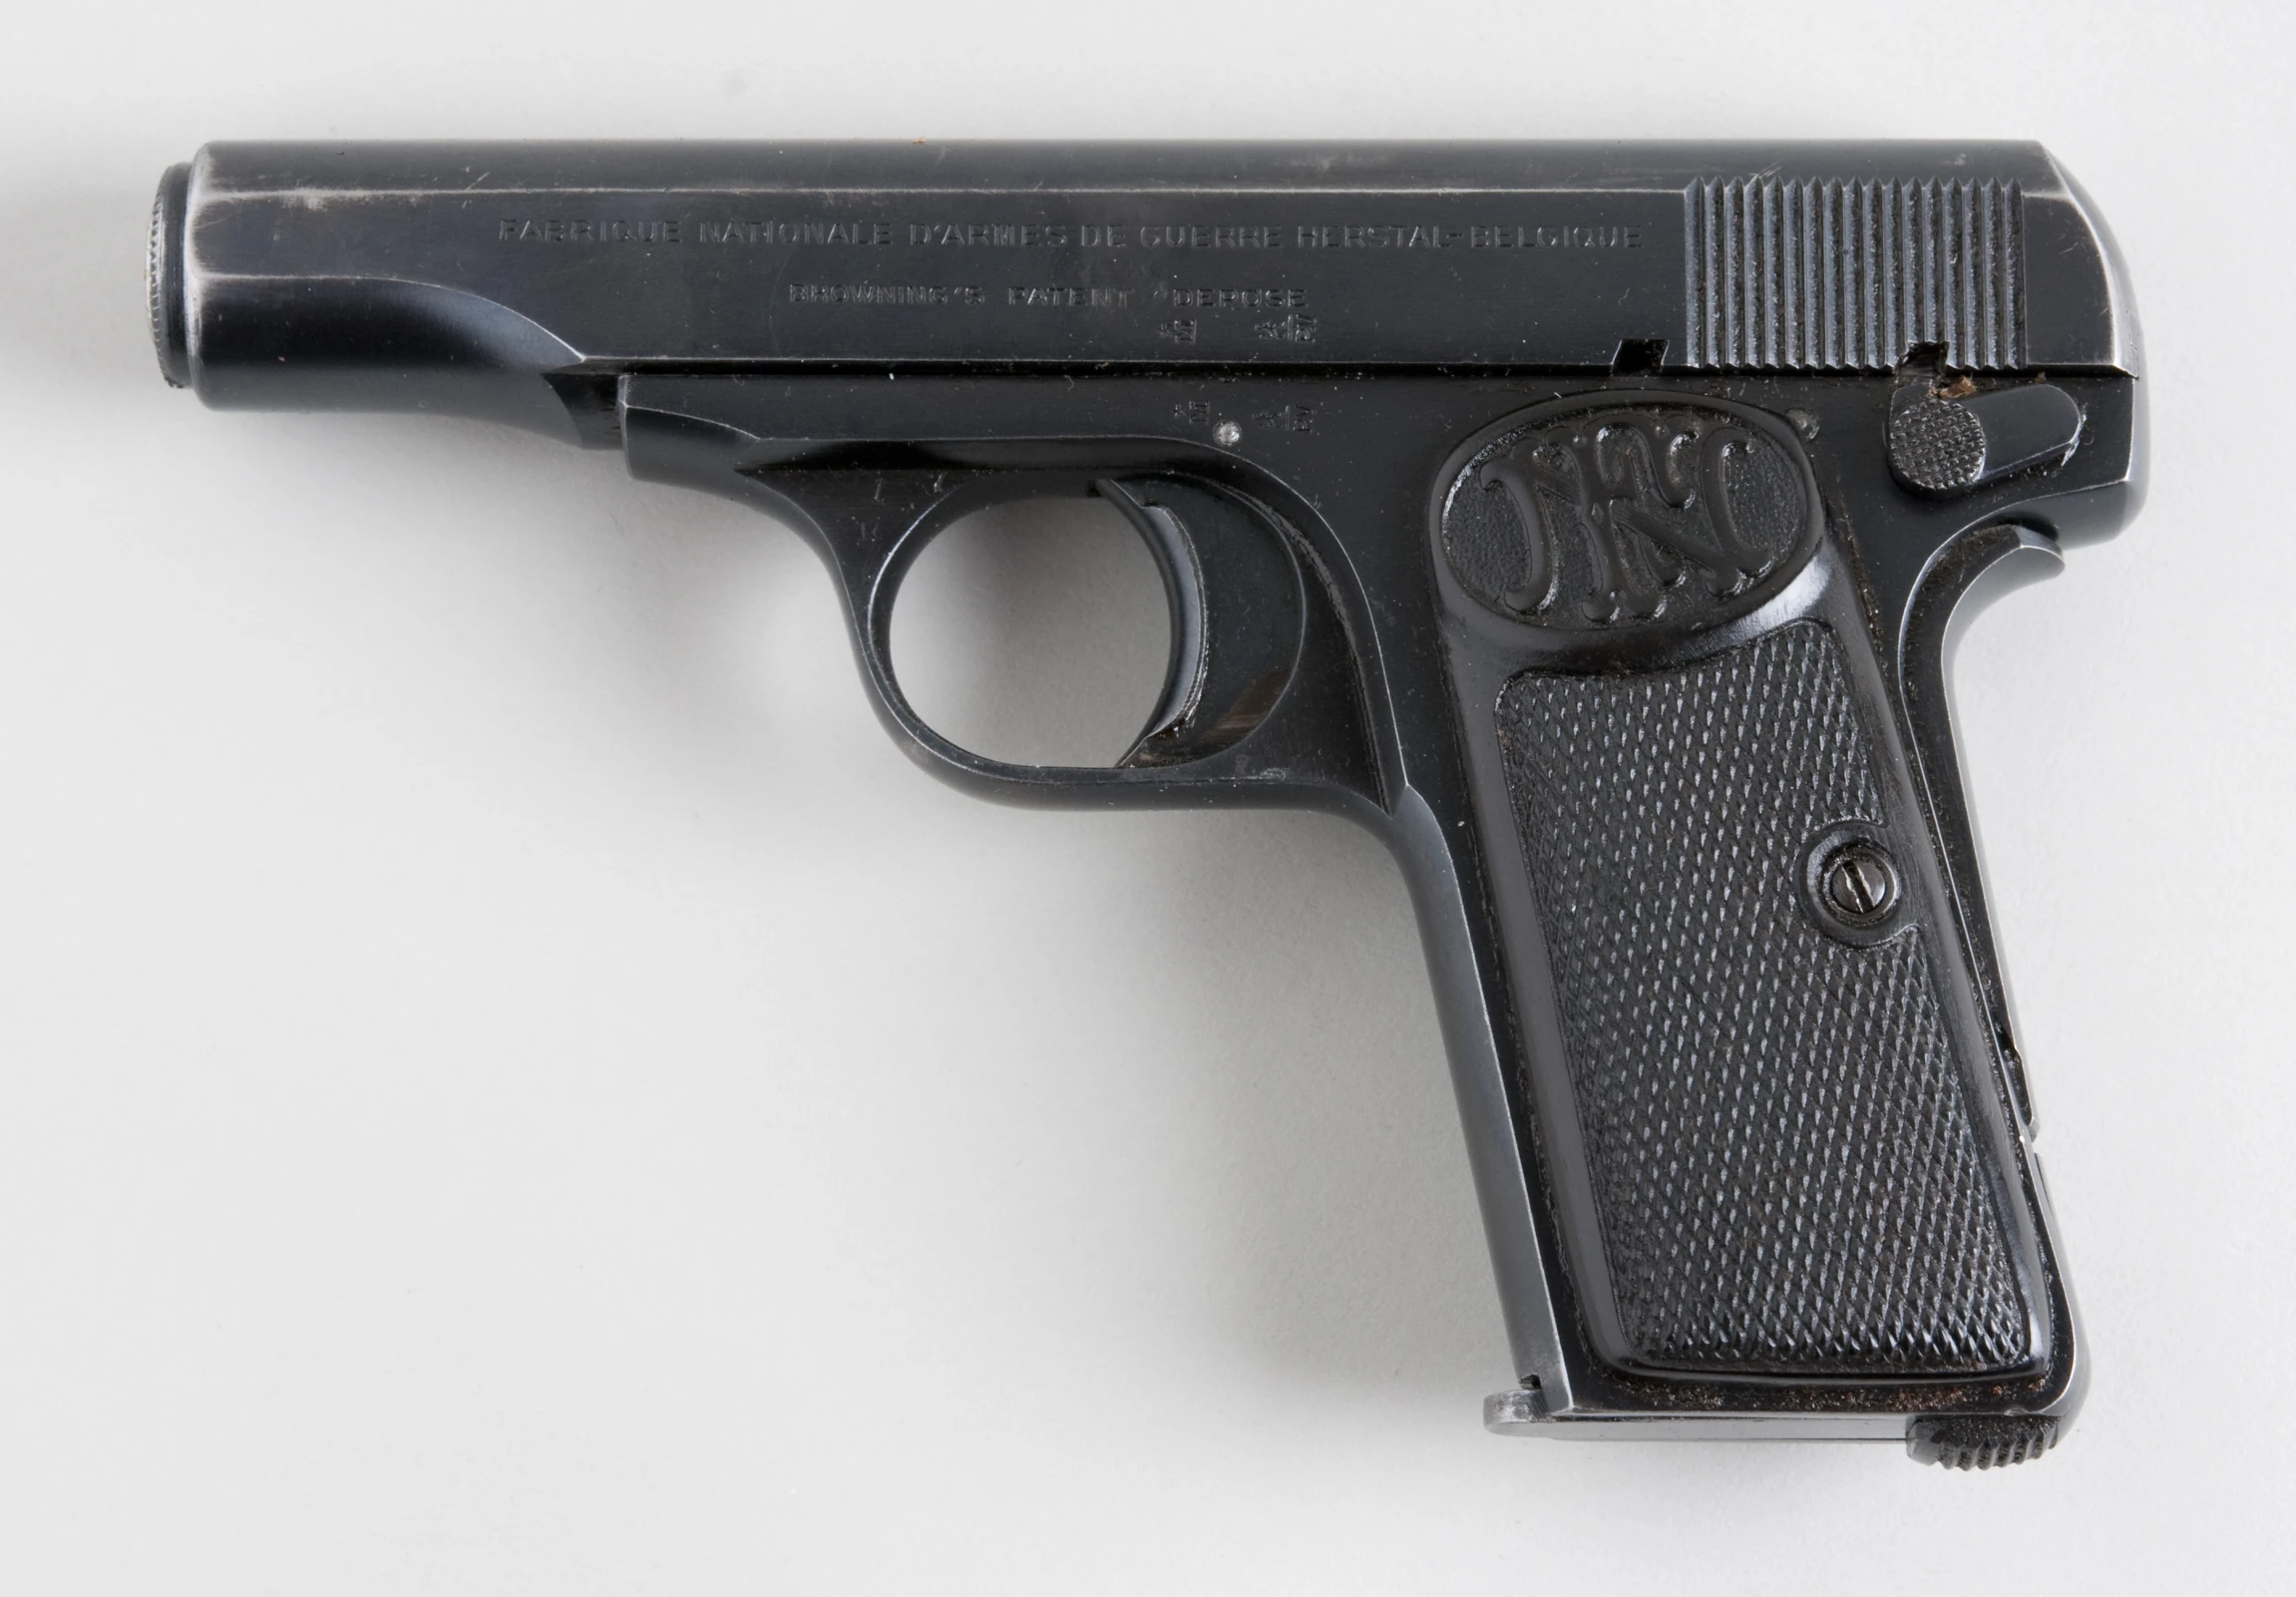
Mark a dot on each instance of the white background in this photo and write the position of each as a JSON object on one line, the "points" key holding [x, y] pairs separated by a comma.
{"points": [[509, 1082]]}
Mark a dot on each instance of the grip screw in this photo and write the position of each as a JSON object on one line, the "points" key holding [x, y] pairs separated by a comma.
{"points": [[1859, 882]]}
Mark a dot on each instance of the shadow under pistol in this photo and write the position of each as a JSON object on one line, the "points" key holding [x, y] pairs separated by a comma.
{"points": [[1590, 520]]}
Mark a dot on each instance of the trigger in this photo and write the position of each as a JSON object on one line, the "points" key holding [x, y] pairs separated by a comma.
{"points": [[1236, 614]]}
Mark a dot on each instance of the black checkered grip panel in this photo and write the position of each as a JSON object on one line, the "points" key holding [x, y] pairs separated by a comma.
{"points": [[1783, 1157]]}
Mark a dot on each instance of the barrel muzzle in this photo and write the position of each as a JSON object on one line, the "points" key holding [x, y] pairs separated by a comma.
{"points": [[164, 278]]}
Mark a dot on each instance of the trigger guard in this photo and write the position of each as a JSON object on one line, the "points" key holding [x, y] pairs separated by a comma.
{"points": [[1263, 706]]}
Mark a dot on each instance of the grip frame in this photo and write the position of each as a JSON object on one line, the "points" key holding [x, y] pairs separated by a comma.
{"points": [[1388, 719]]}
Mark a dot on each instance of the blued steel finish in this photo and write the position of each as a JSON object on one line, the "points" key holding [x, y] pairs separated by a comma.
{"points": [[1591, 520]]}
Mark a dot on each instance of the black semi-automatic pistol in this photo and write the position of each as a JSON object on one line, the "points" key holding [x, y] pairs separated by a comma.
{"points": [[1591, 520]]}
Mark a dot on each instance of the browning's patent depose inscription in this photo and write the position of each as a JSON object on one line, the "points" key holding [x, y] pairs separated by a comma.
{"points": [[1605, 515]]}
